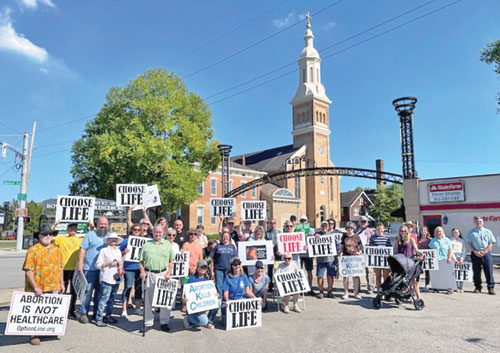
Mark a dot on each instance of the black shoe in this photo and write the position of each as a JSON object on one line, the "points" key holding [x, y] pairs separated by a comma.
{"points": [[165, 328], [311, 293], [146, 329], [72, 315], [93, 318], [477, 290], [320, 295], [491, 291], [110, 320]]}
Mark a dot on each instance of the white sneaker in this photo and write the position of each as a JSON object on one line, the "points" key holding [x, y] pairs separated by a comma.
{"points": [[139, 311], [286, 309], [297, 309], [186, 323], [345, 296], [124, 314], [357, 296]]}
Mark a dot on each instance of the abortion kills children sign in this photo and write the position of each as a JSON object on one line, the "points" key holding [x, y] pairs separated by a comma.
{"points": [[293, 243], [351, 266], [223, 206], [376, 256], [253, 210], [37, 315], [244, 313], [201, 296], [324, 245], [164, 293], [75, 208], [134, 245], [252, 251], [130, 194], [291, 283], [430, 262], [180, 267], [463, 272]]}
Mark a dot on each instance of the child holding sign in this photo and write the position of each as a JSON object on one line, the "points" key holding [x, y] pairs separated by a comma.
{"points": [[351, 245]]}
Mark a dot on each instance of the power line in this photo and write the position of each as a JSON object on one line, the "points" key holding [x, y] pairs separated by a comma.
{"points": [[51, 153], [54, 144], [66, 123], [257, 43], [10, 128]]}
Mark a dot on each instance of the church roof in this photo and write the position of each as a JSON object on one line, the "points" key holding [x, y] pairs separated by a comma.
{"points": [[266, 160]]}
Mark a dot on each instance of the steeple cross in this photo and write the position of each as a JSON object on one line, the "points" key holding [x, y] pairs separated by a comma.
{"points": [[308, 26]]}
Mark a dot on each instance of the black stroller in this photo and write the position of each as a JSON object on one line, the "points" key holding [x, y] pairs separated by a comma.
{"points": [[403, 271]]}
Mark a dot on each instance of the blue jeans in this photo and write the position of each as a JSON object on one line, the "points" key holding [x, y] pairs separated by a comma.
{"points": [[202, 319], [486, 264], [108, 292], [219, 280], [132, 278], [92, 277]]}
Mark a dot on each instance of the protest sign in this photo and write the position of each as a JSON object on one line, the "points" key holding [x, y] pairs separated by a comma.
{"points": [[118, 228], [223, 206], [253, 210], [292, 243], [376, 256], [324, 245], [75, 208], [444, 278], [151, 197], [252, 251], [37, 315], [164, 293], [134, 245], [430, 262], [463, 272], [351, 266], [303, 227], [289, 283], [79, 283], [180, 267], [130, 194], [201, 296], [244, 313], [338, 236]]}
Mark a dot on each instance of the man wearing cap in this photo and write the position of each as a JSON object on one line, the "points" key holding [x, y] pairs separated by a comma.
{"points": [[480, 240], [325, 263], [69, 246], [90, 246], [365, 233], [44, 268], [155, 260]]}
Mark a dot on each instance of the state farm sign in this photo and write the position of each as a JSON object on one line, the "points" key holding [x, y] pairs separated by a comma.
{"points": [[447, 191]]}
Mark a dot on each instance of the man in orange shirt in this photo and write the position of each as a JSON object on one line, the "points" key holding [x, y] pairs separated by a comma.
{"points": [[195, 250]]}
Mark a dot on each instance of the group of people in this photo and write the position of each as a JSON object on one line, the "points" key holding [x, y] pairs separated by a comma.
{"points": [[50, 264]]}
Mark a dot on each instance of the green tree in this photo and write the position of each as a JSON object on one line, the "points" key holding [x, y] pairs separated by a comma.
{"points": [[387, 200], [151, 131], [34, 212], [491, 55]]}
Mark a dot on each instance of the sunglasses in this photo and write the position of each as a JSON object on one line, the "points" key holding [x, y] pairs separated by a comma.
{"points": [[287, 258], [349, 227], [236, 264], [170, 235], [45, 234], [191, 233], [287, 226], [136, 229]]}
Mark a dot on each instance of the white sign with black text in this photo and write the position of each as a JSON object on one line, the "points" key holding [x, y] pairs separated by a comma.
{"points": [[134, 246], [324, 245], [130, 194], [75, 208], [244, 313], [376, 256], [289, 283], [164, 293], [180, 267], [223, 206], [430, 262], [253, 210], [463, 272]]}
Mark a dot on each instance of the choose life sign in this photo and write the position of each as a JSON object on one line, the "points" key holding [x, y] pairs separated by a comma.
{"points": [[222, 206], [351, 266], [130, 194], [164, 293], [201, 296], [463, 272], [180, 267], [134, 246], [324, 245], [244, 313], [75, 208], [376, 256], [37, 315], [289, 283], [253, 210], [293, 243], [430, 262]]}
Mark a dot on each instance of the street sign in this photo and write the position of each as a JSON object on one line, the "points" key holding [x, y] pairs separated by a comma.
{"points": [[22, 196], [11, 182], [21, 212]]}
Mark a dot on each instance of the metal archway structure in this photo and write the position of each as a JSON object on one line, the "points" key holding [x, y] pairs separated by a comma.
{"points": [[318, 171]]}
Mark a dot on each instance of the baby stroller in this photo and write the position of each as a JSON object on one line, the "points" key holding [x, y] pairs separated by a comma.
{"points": [[403, 271]]}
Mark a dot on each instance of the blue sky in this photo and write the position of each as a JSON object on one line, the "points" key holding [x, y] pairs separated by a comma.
{"points": [[59, 58]]}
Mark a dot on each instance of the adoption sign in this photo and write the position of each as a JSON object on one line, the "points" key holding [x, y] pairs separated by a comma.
{"points": [[151, 197], [292, 243], [463, 272], [289, 283], [376, 256], [351, 266], [430, 262], [164, 293], [134, 246], [447, 191], [250, 252], [324, 245], [244, 313], [201, 296], [79, 283], [37, 315], [130, 194], [253, 210], [180, 267], [75, 208], [222, 206]]}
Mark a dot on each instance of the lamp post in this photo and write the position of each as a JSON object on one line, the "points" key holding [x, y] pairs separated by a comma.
{"points": [[225, 150]]}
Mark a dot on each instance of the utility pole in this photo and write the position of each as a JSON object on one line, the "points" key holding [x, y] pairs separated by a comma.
{"points": [[29, 155], [22, 202]]}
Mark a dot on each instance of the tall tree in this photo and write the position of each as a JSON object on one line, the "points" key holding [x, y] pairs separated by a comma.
{"points": [[491, 55], [151, 131], [387, 199]]}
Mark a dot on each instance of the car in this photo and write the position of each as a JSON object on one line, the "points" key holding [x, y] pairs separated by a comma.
{"points": [[11, 236]]}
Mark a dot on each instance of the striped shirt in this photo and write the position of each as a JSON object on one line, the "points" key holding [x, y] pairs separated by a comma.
{"points": [[380, 240]]}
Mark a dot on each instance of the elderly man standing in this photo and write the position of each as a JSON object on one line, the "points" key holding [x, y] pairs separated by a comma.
{"points": [[90, 246], [365, 233], [181, 236], [155, 260], [480, 240], [44, 268]]}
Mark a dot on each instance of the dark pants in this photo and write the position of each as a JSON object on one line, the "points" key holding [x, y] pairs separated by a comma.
{"points": [[486, 264], [68, 277]]}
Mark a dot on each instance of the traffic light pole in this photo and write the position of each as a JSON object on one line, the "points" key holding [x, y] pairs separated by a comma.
{"points": [[22, 203]]}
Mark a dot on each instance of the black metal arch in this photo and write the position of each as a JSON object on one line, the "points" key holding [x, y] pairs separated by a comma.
{"points": [[337, 171]]}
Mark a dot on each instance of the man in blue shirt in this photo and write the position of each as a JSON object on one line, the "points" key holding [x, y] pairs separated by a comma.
{"points": [[480, 240], [90, 246]]}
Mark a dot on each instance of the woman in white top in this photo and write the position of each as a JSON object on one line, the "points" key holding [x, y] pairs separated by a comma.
{"points": [[459, 250], [170, 235], [289, 266]]}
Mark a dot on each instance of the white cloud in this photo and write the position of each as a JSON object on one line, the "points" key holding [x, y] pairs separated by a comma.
{"points": [[44, 70], [33, 4], [15, 42], [328, 26], [288, 20]]}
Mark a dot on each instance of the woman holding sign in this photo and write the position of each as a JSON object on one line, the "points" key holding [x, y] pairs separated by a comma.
{"points": [[351, 245], [459, 251], [405, 244], [444, 248]]}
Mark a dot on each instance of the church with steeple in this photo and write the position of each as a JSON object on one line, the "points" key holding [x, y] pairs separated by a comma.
{"points": [[317, 197]]}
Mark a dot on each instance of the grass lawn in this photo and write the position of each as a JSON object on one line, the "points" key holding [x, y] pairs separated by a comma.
{"points": [[7, 244]]}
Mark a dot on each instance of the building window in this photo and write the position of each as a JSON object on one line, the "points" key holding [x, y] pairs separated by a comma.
{"points": [[254, 193], [361, 201], [243, 194], [213, 187], [297, 187], [331, 188], [304, 75], [317, 75], [213, 220], [200, 188], [356, 211], [199, 215], [311, 74], [322, 213]]}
